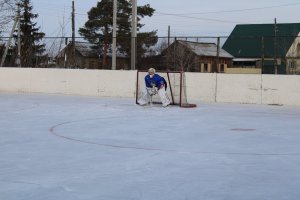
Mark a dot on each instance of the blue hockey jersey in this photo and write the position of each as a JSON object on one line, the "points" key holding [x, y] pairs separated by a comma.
{"points": [[156, 81]]}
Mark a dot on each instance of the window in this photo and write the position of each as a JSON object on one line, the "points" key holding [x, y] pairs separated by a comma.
{"points": [[222, 67], [291, 64], [205, 68]]}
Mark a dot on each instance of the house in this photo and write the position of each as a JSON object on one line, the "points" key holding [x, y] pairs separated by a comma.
{"points": [[46, 61], [88, 56], [196, 57], [270, 48]]}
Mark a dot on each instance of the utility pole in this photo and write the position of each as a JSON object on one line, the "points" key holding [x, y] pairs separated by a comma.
{"points": [[65, 53], [262, 54], [73, 33], [9, 40], [174, 55], [218, 55], [169, 35], [114, 44], [168, 51], [275, 47], [133, 34], [18, 61]]}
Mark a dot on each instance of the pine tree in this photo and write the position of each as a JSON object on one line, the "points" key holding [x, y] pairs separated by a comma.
{"points": [[98, 28], [30, 36]]}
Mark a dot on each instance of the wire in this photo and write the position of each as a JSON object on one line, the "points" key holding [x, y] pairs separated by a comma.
{"points": [[205, 19], [185, 15], [229, 11], [81, 14]]}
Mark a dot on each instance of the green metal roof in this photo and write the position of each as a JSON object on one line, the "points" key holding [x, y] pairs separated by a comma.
{"points": [[245, 41]]}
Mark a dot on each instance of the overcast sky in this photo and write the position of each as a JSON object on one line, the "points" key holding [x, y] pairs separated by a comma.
{"points": [[186, 17]]}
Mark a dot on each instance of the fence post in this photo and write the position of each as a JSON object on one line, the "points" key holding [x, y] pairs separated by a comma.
{"points": [[174, 54], [133, 34], [215, 62], [218, 53], [65, 52], [262, 53]]}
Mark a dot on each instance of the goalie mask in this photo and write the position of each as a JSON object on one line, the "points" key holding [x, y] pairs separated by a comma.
{"points": [[151, 72]]}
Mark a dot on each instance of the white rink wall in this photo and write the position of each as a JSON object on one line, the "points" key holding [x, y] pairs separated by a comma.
{"points": [[104, 83], [201, 87], [223, 88], [239, 88], [281, 89]]}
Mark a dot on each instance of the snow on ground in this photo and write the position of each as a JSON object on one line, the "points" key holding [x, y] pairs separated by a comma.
{"points": [[56, 147]]}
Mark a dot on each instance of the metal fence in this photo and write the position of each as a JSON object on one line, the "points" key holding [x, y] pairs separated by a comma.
{"points": [[264, 54]]}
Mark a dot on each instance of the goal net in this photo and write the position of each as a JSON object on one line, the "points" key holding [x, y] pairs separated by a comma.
{"points": [[176, 88]]}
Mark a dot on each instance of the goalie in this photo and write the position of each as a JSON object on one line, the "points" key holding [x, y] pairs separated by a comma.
{"points": [[155, 84]]}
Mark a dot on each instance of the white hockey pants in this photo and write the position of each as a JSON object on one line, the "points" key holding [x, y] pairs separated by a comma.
{"points": [[161, 93]]}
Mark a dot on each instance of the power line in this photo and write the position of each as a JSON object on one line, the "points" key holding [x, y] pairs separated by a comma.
{"points": [[81, 14], [58, 29], [184, 16], [229, 11], [205, 19]]}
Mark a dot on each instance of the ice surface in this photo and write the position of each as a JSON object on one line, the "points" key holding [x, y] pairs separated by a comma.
{"points": [[55, 147]]}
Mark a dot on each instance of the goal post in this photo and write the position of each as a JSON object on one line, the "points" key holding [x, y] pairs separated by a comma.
{"points": [[176, 87]]}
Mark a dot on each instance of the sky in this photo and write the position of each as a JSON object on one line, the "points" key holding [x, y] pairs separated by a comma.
{"points": [[186, 18]]}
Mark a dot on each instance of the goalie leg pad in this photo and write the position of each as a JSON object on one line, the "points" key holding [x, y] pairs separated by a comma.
{"points": [[145, 98], [163, 97]]}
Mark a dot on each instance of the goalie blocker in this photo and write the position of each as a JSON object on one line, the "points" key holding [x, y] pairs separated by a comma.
{"points": [[175, 91]]}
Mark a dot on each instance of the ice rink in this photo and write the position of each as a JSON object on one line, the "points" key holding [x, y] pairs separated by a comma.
{"points": [[55, 147]]}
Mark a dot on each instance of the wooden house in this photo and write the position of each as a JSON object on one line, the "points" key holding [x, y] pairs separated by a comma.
{"points": [[274, 48], [88, 56], [196, 57]]}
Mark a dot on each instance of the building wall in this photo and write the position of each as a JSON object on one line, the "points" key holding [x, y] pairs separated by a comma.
{"points": [[293, 66], [243, 71], [210, 61], [201, 87], [294, 50], [205, 67]]}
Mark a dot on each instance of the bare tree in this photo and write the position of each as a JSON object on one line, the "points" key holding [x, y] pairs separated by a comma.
{"points": [[7, 12], [54, 46], [180, 58]]}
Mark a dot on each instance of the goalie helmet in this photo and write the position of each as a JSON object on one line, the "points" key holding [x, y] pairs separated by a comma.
{"points": [[151, 71]]}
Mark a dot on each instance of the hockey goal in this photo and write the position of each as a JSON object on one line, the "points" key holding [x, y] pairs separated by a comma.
{"points": [[176, 89]]}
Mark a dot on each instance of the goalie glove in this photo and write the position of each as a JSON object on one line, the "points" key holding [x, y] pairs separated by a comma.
{"points": [[152, 91]]}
